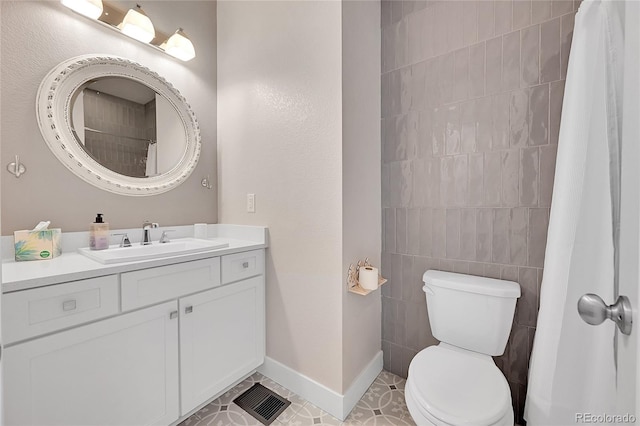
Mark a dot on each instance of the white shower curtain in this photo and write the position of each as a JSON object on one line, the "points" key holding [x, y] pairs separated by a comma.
{"points": [[572, 368], [152, 159]]}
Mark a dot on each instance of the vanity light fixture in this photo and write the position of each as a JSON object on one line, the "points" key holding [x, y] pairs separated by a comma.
{"points": [[136, 24], [89, 8], [179, 46]]}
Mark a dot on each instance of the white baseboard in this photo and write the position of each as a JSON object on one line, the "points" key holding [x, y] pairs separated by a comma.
{"points": [[332, 402], [361, 384]]}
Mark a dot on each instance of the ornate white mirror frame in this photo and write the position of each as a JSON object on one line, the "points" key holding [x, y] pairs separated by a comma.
{"points": [[54, 110]]}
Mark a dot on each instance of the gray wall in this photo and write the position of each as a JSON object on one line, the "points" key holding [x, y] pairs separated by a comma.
{"points": [[38, 35], [471, 101]]}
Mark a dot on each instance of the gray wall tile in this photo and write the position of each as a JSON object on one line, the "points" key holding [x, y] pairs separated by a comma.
{"points": [[447, 182], [440, 29], [426, 226], [395, 280], [539, 115], [476, 179], [530, 45], [438, 233], [511, 61], [469, 22], [500, 251], [492, 179], [468, 126], [453, 233], [503, 12], [452, 133], [540, 11], [461, 75], [468, 234], [484, 234], [461, 179], [519, 118], [550, 51], [518, 235], [455, 36], [500, 121], [529, 176], [510, 177], [471, 104], [561, 7], [476, 268], [409, 284], [438, 130], [486, 19], [390, 230], [413, 231], [484, 124], [493, 77], [476, 70], [419, 86], [521, 13], [401, 230]]}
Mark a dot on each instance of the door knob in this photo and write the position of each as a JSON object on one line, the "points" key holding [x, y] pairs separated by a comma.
{"points": [[594, 311]]}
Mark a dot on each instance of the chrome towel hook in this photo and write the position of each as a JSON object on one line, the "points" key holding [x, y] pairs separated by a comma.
{"points": [[16, 168]]}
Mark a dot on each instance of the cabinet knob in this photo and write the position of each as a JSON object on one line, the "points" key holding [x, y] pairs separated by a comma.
{"points": [[173, 315], [245, 265], [188, 309], [69, 305]]}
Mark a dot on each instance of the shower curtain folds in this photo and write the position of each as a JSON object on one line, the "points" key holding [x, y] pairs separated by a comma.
{"points": [[572, 367]]}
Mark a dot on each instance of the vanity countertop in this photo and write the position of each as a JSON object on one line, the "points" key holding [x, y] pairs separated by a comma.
{"points": [[72, 266]]}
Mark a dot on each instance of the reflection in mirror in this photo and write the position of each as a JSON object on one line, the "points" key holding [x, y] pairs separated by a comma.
{"points": [[127, 127]]}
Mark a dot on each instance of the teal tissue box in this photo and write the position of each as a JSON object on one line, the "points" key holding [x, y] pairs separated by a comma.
{"points": [[37, 245]]}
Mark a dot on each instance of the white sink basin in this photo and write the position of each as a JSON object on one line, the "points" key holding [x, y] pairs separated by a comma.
{"points": [[115, 254]]}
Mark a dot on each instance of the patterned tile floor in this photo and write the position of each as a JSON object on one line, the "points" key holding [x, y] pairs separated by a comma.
{"points": [[382, 405]]}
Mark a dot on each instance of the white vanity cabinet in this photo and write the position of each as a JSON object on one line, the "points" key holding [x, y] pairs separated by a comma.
{"points": [[180, 335], [119, 371], [221, 338]]}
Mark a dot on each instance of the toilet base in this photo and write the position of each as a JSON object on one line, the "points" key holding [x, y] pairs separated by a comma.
{"points": [[423, 419]]}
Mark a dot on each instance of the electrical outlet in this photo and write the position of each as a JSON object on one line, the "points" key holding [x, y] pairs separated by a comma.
{"points": [[251, 203]]}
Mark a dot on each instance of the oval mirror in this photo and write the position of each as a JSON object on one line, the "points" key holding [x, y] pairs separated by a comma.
{"points": [[118, 125]]}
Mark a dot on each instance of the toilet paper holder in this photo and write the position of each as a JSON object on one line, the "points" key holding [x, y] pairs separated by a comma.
{"points": [[352, 278]]}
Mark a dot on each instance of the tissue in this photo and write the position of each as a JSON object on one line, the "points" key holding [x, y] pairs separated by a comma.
{"points": [[40, 243]]}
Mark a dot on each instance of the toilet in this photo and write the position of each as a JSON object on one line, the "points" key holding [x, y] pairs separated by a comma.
{"points": [[457, 382]]}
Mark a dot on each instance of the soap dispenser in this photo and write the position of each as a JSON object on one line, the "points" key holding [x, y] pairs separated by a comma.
{"points": [[99, 234]]}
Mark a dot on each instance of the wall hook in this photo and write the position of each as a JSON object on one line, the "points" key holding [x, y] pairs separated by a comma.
{"points": [[206, 182], [16, 168]]}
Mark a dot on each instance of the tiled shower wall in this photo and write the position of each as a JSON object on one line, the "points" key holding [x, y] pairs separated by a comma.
{"points": [[121, 147], [471, 99]]}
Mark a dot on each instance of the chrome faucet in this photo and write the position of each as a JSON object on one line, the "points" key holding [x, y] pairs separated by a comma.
{"points": [[146, 232]]}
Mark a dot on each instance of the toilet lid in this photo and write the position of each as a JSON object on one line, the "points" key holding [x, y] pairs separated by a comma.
{"points": [[459, 388]]}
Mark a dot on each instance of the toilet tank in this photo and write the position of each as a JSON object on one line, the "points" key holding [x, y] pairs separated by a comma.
{"points": [[473, 313]]}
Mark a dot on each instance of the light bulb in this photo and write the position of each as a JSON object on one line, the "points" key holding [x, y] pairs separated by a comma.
{"points": [[89, 8], [136, 24], [179, 46]]}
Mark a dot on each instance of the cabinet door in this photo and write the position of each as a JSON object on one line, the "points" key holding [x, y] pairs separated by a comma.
{"points": [[221, 339], [120, 371]]}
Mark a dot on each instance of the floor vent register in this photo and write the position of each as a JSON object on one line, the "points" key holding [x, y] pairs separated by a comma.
{"points": [[262, 403]]}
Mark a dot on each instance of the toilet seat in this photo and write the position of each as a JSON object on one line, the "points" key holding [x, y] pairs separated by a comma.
{"points": [[451, 387]]}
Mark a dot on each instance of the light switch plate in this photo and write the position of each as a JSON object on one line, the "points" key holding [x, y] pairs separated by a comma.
{"points": [[251, 203]]}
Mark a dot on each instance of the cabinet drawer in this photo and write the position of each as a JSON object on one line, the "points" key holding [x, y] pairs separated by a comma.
{"points": [[154, 285], [43, 310], [239, 266]]}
